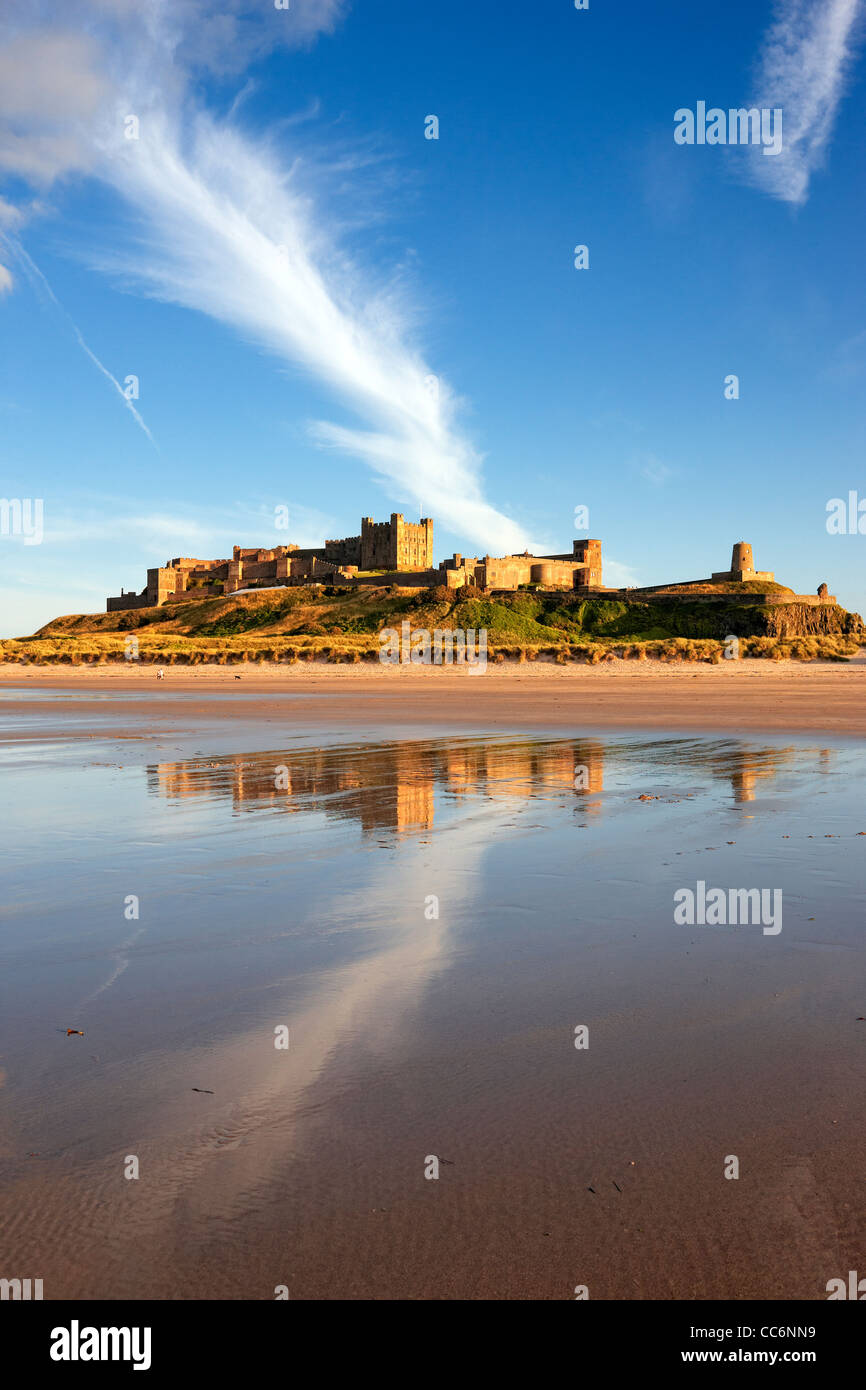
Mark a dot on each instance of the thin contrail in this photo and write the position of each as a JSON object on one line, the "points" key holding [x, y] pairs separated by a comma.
{"points": [[117, 386], [30, 265]]}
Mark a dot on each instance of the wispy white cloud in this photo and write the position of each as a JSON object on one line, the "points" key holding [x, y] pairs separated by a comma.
{"points": [[10, 215], [802, 68], [51, 88], [229, 230]]}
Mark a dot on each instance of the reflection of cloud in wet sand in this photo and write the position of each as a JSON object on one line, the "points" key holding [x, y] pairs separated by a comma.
{"points": [[346, 1010], [216, 1170]]}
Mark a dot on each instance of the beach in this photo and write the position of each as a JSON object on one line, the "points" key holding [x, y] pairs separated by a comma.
{"points": [[509, 1071], [780, 696]]}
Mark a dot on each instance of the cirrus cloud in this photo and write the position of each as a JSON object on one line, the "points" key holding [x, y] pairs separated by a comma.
{"points": [[802, 68], [225, 226]]}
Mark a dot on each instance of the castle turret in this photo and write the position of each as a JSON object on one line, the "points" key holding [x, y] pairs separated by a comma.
{"points": [[742, 567]]}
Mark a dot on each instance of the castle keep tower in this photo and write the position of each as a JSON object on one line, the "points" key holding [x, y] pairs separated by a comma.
{"points": [[396, 544]]}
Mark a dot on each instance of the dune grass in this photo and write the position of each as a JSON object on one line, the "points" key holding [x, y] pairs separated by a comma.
{"points": [[167, 649]]}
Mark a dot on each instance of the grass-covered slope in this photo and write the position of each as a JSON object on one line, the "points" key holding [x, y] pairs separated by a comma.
{"points": [[530, 617], [343, 623]]}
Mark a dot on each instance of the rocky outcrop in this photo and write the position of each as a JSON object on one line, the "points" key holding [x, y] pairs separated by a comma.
{"points": [[802, 620]]}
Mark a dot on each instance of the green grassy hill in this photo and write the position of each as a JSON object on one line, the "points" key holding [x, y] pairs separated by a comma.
{"points": [[522, 617]]}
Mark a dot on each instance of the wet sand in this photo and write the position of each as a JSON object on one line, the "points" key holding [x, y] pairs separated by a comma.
{"points": [[736, 696], [302, 904]]}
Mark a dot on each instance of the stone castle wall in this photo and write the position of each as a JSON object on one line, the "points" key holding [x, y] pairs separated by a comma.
{"points": [[344, 552], [580, 570], [120, 602]]}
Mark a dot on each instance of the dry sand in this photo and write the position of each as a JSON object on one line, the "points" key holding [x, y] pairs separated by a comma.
{"points": [[785, 696]]}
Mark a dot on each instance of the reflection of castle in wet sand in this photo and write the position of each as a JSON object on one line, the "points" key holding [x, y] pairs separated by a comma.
{"points": [[385, 788], [744, 770], [394, 787]]}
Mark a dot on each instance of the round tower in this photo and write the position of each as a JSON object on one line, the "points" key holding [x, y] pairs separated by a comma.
{"points": [[542, 574], [742, 558]]}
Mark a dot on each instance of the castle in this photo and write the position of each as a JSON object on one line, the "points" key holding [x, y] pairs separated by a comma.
{"points": [[400, 552], [386, 552]]}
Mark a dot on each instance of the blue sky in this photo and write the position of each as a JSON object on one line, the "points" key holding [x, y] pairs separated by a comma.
{"points": [[283, 261]]}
